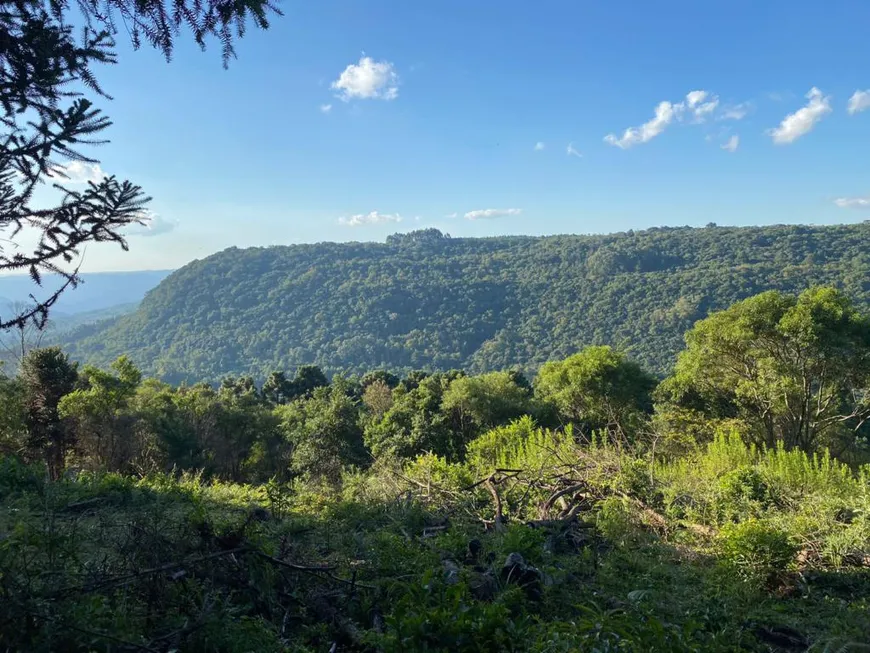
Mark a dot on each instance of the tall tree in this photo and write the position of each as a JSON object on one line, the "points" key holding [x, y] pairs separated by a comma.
{"points": [[46, 66], [308, 379], [323, 432], [47, 375], [104, 429], [597, 388], [796, 368]]}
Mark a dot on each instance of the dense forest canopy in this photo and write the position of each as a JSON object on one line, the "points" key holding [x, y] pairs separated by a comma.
{"points": [[425, 300]]}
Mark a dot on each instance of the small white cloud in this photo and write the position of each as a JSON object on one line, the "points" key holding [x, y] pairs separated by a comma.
{"points": [[698, 105], [665, 114], [539, 146], [735, 111], [702, 111], [853, 202], [491, 213], [77, 172], [368, 80], [325, 108], [452, 215], [695, 98], [859, 102], [802, 121], [732, 144], [374, 217], [573, 151], [154, 225]]}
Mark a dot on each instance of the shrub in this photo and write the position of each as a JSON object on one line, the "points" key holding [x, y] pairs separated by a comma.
{"points": [[756, 549]]}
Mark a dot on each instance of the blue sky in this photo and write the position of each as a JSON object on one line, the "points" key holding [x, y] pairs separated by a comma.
{"points": [[436, 109]]}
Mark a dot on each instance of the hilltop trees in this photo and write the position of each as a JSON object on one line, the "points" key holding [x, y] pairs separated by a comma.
{"points": [[47, 65], [795, 369]]}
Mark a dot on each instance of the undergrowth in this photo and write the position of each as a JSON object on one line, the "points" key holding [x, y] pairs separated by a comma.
{"points": [[730, 548]]}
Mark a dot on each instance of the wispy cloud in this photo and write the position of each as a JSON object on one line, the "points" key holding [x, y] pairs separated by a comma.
{"points": [[665, 114], [78, 172], [491, 213], [802, 121], [860, 101], [853, 202], [573, 151], [155, 225], [698, 105], [452, 215], [731, 144], [374, 217], [539, 146], [368, 80], [735, 111], [325, 108]]}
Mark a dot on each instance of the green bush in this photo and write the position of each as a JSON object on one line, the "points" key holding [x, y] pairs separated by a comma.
{"points": [[756, 549]]}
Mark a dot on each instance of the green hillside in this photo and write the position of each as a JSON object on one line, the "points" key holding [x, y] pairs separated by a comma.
{"points": [[425, 300]]}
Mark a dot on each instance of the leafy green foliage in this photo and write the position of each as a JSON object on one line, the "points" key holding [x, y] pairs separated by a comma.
{"points": [[487, 304], [757, 549], [439, 511], [796, 369], [597, 389]]}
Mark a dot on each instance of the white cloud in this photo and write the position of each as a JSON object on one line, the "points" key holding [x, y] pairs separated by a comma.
{"points": [[368, 80], [695, 98], [491, 213], [732, 144], [78, 172], [325, 108], [698, 104], [802, 121], [664, 115], [735, 111], [859, 102], [452, 215], [373, 217], [703, 110], [154, 226], [853, 202], [539, 146], [573, 151]]}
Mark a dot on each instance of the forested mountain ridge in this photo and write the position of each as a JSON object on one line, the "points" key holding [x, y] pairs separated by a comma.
{"points": [[425, 300]]}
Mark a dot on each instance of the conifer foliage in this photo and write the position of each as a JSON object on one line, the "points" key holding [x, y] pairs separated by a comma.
{"points": [[48, 117]]}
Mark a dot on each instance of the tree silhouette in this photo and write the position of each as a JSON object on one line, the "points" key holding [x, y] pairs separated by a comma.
{"points": [[45, 120]]}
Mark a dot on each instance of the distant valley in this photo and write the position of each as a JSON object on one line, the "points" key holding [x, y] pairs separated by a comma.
{"points": [[99, 291]]}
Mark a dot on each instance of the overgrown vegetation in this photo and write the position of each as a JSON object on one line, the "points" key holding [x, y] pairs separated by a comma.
{"points": [[586, 510]]}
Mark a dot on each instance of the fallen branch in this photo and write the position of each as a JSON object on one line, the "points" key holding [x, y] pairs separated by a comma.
{"points": [[544, 511], [319, 569]]}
